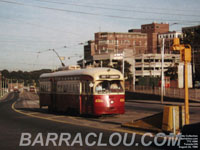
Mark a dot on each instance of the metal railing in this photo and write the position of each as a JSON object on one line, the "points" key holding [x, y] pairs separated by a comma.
{"points": [[194, 94]]}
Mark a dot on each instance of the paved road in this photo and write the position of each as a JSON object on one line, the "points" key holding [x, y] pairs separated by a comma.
{"points": [[13, 124]]}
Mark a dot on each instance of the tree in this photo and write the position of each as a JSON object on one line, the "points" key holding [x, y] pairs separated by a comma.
{"points": [[172, 72], [26, 77], [192, 36]]}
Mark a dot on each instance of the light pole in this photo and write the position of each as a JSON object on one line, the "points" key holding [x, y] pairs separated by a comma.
{"points": [[162, 70], [123, 65]]}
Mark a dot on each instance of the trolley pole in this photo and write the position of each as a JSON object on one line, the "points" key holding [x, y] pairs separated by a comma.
{"points": [[185, 55]]}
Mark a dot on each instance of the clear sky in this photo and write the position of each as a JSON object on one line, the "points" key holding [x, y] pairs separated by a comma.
{"points": [[31, 26]]}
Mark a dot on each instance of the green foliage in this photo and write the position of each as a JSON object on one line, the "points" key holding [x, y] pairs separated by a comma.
{"points": [[118, 65], [149, 81], [172, 72], [192, 37], [27, 77]]}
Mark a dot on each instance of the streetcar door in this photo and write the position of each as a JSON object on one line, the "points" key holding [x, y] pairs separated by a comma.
{"points": [[87, 98], [52, 106]]}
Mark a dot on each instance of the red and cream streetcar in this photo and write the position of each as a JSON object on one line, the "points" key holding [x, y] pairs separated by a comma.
{"points": [[95, 91]]}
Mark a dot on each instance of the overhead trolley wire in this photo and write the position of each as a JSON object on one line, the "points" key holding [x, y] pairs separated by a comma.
{"points": [[143, 7], [117, 9], [95, 14]]}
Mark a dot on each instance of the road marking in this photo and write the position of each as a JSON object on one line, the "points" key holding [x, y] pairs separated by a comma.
{"points": [[56, 117], [34, 113], [67, 122]]}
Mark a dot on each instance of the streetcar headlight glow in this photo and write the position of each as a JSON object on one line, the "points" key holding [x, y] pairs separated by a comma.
{"points": [[121, 99], [98, 100]]}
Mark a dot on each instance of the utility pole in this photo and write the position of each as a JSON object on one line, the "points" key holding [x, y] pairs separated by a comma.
{"points": [[3, 86], [185, 55], [123, 65], [193, 69], [11, 84], [134, 74], [162, 71]]}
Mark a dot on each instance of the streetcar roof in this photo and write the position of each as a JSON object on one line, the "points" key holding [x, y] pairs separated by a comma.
{"points": [[93, 72]]}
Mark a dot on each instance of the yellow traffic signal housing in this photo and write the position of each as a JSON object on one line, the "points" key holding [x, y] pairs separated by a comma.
{"points": [[185, 50], [176, 41], [187, 54]]}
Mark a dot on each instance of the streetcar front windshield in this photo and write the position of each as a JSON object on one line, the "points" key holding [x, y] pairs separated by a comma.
{"points": [[113, 86]]}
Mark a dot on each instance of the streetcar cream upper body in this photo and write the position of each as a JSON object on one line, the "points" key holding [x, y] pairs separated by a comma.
{"points": [[96, 73]]}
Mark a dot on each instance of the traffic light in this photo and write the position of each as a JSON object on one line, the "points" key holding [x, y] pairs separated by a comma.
{"points": [[185, 50], [187, 54]]}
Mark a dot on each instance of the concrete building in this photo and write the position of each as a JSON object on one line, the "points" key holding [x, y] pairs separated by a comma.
{"points": [[149, 65], [168, 40], [152, 31]]}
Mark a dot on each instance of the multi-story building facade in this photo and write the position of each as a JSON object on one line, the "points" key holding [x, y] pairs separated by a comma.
{"points": [[149, 65], [140, 47], [89, 50], [117, 42], [152, 31], [168, 41], [109, 45]]}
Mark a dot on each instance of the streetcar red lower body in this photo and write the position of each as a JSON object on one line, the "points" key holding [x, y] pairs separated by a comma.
{"points": [[84, 104]]}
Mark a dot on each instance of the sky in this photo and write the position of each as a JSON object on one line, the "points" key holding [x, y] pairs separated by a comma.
{"points": [[30, 29]]}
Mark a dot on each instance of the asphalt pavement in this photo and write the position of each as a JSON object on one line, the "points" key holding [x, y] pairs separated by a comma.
{"points": [[13, 125]]}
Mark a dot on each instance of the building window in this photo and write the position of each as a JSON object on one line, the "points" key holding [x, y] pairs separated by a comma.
{"points": [[138, 60], [138, 68]]}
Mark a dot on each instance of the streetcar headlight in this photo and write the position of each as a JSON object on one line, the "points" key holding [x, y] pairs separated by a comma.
{"points": [[121, 99], [98, 100]]}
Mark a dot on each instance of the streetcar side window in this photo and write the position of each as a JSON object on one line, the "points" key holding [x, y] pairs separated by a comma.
{"points": [[83, 87], [86, 89], [45, 87]]}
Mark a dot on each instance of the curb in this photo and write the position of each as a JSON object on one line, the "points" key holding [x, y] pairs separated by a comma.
{"points": [[193, 104]]}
